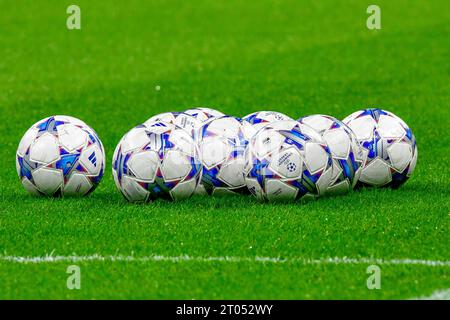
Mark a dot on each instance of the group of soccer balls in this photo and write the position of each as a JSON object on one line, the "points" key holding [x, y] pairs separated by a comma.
{"points": [[176, 154]]}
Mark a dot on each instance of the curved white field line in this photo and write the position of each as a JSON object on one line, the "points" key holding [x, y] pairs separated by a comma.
{"points": [[233, 259]]}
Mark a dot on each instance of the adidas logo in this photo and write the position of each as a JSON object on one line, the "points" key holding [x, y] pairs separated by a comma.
{"points": [[93, 159]]}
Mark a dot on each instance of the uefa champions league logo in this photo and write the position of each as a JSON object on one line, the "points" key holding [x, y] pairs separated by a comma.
{"points": [[291, 167]]}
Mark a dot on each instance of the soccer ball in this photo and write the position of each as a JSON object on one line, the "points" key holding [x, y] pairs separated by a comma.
{"points": [[183, 120], [222, 145], [190, 120], [60, 156], [204, 114], [287, 161], [255, 121], [389, 147], [156, 160], [345, 151]]}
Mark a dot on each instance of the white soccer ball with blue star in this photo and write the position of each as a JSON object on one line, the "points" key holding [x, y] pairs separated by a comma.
{"points": [[60, 156], [255, 121], [202, 115], [183, 120], [222, 145], [345, 151], [191, 120], [287, 161], [388, 144], [156, 160]]}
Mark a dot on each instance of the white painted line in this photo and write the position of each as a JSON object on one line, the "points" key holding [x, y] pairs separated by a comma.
{"points": [[436, 295], [234, 259]]}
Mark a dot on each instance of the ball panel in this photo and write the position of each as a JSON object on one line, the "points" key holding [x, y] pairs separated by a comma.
{"points": [[157, 128], [320, 123], [339, 142], [266, 142], [283, 125], [214, 151], [232, 173], [144, 165], [48, 180], [255, 188], [92, 159], [175, 166], [362, 127], [183, 142], [45, 149], [183, 190], [27, 140], [288, 163], [324, 182], [277, 190], [200, 189], [78, 185], [71, 137], [389, 128], [72, 120], [352, 116], [132, 190], [227, 127], [188, 123], [336, 171], [180, 119], [400, 155], [340, 188], [308, 197], [376, 173], [168, 117], [204, 114], [249, 129], [255, 121], [412, 166], [309, 132], [18, 168], [30, 187], [316, 158], [135, 139]]}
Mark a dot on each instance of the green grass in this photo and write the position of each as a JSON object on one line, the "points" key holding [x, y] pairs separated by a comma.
{"points": [[296, 57]]}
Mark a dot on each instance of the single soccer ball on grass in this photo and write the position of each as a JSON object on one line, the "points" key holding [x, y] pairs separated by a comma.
{"points": [[287, 161], [254, 121], [388, 144], [156, 160], [222, 145], [345, 151], [60, 156]]}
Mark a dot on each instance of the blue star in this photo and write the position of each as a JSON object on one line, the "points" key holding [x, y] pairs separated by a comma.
{"points": [[121, 164], [372, 145], [67, 162], [50, 126], [26, 165]]}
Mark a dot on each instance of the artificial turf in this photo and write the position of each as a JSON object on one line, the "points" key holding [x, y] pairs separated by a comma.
{"points": [[296, 57]]}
